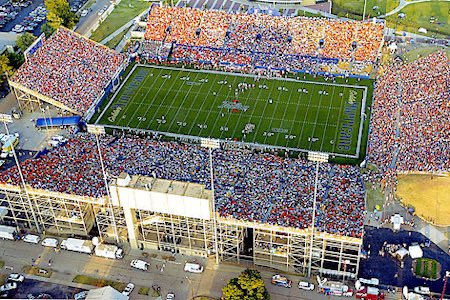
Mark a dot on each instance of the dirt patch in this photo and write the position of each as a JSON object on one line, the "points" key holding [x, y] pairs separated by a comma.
{"points": [[429, 196]]}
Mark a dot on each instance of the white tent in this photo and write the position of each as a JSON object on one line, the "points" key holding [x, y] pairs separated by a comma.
{"points": [[415, 251], [106, 292], [401, 253], [396, 221]]}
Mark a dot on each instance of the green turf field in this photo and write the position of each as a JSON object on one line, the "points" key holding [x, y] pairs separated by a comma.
{"points": [[298, 114]]}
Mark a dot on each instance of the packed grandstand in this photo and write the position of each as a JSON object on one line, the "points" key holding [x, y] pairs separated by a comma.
{"points": [[409, 127], [249, 186], [259, 40], [70, 69]]}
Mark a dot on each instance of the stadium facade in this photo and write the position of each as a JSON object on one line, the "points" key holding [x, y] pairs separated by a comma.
{"points": [[158, 214]]}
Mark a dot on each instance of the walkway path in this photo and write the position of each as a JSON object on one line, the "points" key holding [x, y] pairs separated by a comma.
{"points": [[404, 3]]}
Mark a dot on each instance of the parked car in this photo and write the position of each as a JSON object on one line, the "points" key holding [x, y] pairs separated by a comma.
{"points": [[81, 295], [139, 264], [31, 238], [304, 285], [422, 290], [128, 289], [8, 287], [50, 242], [281, 281], [170, 296], [15, 277], [193, 268], [84, 13], [18, 28]]}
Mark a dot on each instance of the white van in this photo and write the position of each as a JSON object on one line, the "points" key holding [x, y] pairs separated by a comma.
{"points": [[193, 268], [59, 138], [53, 143], [139, 264], [31, 238], [50, 242]]}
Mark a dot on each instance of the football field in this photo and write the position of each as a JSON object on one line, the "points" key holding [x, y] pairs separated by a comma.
{"points": [[299, 113]]}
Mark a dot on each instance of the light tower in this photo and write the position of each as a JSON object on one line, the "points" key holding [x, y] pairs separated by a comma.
{"points": [[5, 118]]}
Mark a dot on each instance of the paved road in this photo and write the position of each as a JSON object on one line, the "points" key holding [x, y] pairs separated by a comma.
{"points": [[68, 264], [86, 23]]}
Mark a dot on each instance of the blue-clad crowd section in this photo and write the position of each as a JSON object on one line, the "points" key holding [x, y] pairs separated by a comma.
{"points": [[58, 121]]}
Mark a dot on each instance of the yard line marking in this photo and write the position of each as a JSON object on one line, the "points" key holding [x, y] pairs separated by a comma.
{"points": [[229, 98], [148, 106], [155, 114], [328, 115], [216, 101], [241, 113], [171, 105], [273, 114], [296, 111], [284, 114], [258, 127], [195, 99], [130, 104], [306, 114], [317, 115]]}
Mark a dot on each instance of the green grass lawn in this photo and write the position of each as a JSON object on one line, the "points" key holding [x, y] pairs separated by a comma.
{"points": [[307, 114], [419, 14], [99, 282], [116, 40], [413, 55], [355, 7], [427, 268], [374, 197], [144, 291], [122, 13]]}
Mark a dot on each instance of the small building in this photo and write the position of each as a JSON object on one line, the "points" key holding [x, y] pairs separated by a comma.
{"points": [[106, 292]]}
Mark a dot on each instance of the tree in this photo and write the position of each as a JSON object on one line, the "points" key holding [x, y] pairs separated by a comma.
{"points": [[47, 29], [248, 286], [59, 14], [15, 59], [25, 40], [5, 66]]}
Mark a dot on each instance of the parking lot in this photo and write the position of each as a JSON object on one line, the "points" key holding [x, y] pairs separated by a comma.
{"points": [[388, 270], [22, 16], [36, 288]]}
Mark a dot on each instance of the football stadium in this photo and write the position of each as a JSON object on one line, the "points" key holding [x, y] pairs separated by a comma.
{"points": [[198, 117]]}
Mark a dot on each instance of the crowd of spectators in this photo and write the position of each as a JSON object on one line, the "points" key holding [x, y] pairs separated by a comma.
{"points": [[249, 185], [70, 69], [262, 40], [409, 125]]}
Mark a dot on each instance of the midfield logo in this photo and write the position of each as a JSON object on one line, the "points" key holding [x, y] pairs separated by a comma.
{"points": [[234, 105]]}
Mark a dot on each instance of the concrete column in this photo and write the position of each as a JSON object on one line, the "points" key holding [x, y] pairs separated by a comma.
{"points": [[130, 219]]}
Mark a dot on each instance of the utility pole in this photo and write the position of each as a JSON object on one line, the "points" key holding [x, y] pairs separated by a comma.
{"points": [[213, 144], [313, 225], [447, 275], [96, 130]]}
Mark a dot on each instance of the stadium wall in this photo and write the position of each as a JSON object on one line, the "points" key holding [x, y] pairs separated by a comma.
{"points": [[145, 225]]}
